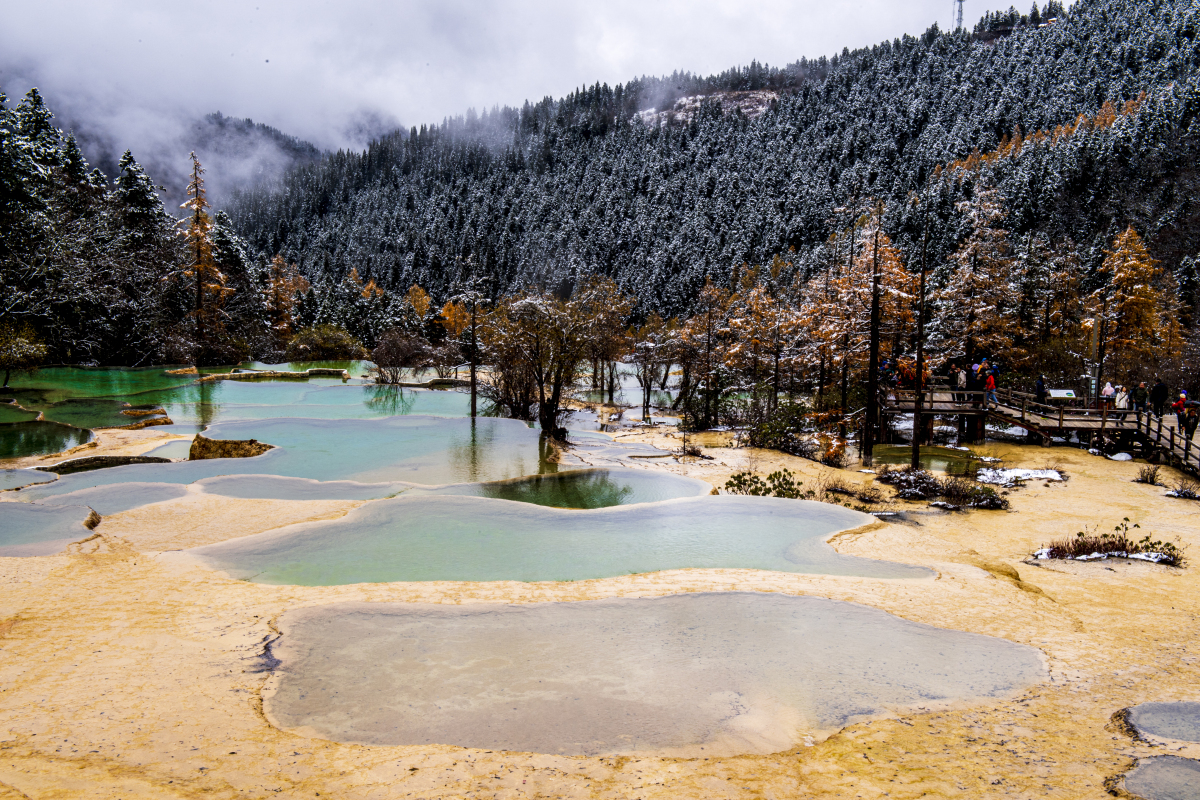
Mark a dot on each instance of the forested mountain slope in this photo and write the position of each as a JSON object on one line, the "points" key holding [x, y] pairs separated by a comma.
{"points": [[559, 188]]}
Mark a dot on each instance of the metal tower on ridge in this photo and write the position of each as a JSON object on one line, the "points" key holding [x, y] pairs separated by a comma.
{"points": [[958, 26]]}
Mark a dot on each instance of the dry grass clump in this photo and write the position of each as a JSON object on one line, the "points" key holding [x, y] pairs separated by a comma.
{"points": [[1089, 544], [1148, 474], [831, 483]]}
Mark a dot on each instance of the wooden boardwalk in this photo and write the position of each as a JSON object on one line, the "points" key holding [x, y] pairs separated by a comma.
{"points": [[1162, 434]]}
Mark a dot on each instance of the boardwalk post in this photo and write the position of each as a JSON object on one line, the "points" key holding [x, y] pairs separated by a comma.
{"points": [[1024, 404], [1060, 419]]}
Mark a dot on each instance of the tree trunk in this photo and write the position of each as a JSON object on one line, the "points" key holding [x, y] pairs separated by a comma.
{"points": [[872, 420], [918, 428], [474, 356]]}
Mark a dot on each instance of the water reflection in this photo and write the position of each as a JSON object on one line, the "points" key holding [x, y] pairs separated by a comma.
{"points": [[390, 401], [587, 488], [20, 439]]}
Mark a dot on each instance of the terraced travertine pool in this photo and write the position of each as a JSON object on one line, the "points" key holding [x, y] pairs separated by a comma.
{"points": [[727, 672], [440, 538], [447, 498]]}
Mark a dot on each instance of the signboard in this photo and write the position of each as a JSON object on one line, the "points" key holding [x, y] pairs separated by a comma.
{"points": [[1061, 394]]}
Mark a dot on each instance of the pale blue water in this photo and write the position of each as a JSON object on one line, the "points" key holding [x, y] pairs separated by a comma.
{"points": [[480, 539], [1165, 778], [431, 451], [1168, 720], [29, 530], [193, 407], [732, 672], [274, 487], [112, 499], [16, 478]]}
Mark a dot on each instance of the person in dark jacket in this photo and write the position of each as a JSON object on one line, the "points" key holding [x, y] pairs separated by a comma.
{"points": [[1158, 397], [1141, 395], [1039, 389]]}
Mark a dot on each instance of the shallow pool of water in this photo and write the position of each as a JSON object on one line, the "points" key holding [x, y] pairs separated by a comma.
{"points": [[432, 451], [21, 439], [1165, 778], [1179, 721], [480, 539], [16, 478], [938, 459], [274, 487], [203, 404], [96, 397], [587, 488], [29, 530], [730, 672], [10, 412], [114, 499]]}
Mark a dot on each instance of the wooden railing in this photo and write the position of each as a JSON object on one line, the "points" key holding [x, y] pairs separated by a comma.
{"points": [[1169, 438]]}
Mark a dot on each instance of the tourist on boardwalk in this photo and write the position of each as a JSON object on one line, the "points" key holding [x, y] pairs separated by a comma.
{"points": [[990, 386], [1039, 390], [1121, 402], [1158, 397], [1107, 394], [1141, 396], [1189, 422], [1179, 407], [960, 380]]}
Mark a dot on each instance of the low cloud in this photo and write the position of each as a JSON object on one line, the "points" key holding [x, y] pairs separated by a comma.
{"points": [[139, 74]]}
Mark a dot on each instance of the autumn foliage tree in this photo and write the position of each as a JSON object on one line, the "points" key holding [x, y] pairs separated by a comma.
{"points": [[207, 281], [1133, 311]]}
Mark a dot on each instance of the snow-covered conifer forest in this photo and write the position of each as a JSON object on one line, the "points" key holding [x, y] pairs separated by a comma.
{"points": [[1050, 155]]}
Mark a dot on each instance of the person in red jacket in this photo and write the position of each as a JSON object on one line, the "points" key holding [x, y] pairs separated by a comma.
{"points": [[990, 386], [1179, 407]]}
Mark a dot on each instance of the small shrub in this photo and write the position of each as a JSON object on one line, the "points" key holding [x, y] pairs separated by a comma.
{"points": [[832, 450], [1148, 474], [968, 494], [911, 484], [778, 484], [1119, 544], [1186, 489]]}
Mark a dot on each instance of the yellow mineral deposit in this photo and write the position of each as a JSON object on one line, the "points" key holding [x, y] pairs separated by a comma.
{"points": [[125, 675]]}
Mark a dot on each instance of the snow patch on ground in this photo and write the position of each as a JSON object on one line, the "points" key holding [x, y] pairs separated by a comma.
{"points": [[1044, 554], [1011, 477], [1120, 457]]}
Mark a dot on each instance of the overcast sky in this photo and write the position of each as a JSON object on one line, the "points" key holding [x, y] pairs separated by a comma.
{"points": [[319, 69]]}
